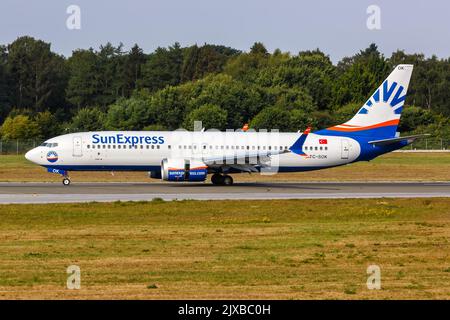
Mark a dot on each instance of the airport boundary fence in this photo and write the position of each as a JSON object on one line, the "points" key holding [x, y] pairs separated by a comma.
{"points": [[16, 147]]}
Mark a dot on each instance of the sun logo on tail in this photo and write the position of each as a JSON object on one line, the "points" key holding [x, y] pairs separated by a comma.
{"points": [[395, 101]]}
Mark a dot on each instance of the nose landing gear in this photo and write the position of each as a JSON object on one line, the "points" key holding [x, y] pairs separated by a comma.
{"points": [[66, 181]]}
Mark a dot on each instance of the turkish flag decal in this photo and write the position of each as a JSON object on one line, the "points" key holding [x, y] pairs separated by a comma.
{"points": [[323, 141]]}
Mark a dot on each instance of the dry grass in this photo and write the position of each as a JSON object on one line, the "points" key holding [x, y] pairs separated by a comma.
{"points": [[294, 249]]}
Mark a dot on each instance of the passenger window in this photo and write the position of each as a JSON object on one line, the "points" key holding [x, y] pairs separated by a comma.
{"points": [[320, 148], [326, 148], [153, 146], [157, 147], [114, 146], [169, 146], [88, 146], [270, 147], [315, 148], [109, 146]]}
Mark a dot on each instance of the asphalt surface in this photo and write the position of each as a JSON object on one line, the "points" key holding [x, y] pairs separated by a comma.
{"points": [[86, 192]]}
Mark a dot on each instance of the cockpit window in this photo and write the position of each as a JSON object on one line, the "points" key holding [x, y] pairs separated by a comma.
{"points": [[49, 145]]}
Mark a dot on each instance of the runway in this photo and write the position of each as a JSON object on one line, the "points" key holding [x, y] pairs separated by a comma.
{"points": [[104, 192]]}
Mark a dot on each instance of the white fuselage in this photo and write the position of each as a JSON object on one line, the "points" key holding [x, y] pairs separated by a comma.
{"points": [[145, 150]]}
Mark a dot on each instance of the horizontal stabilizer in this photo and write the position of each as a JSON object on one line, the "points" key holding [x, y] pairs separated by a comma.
{"points": [[409, 139]]}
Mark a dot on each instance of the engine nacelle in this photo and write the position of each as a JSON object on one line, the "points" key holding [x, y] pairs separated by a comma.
{"points": [[154, 174], [183, 170]]}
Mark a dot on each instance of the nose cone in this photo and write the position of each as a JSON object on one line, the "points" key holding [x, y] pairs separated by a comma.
{"points": [[32, 155]]}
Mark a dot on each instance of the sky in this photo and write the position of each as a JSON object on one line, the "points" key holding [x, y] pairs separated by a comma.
{"points": [[339, 28]]}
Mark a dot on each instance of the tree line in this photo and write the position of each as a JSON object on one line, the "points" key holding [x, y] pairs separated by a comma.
{"points": [[43, 94]]}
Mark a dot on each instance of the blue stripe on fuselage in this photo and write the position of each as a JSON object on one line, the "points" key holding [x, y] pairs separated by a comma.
{"points": [[375, 133], [103, 168]]}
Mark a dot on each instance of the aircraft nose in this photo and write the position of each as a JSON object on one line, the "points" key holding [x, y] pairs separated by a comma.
{"points": [[31, 155]]}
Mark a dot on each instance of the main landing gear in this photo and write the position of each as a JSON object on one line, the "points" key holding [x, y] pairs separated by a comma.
{"points": [[219, 179]]}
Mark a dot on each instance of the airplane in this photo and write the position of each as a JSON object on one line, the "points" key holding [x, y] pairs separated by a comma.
{"points": [[189, 156]]}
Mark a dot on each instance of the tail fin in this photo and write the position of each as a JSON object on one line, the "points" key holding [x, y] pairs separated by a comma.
{"points": [[380, 115]]}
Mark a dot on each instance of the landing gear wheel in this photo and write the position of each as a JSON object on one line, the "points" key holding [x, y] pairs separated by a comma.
{"points": [[216, 178], [227, 180], [66, 181]]}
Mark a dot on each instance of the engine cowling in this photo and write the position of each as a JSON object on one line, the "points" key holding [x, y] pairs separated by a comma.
{"points": [[154, 174], [183, 170]]}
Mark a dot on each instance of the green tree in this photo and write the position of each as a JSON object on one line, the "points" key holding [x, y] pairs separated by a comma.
{"points": [[5, 105], [245, 66], [129, 114], [88, 119], [133, 63], [207, 59], [360, 75], [211, 116], [111, 75], [345, 113], [162, 68], [414, 117], [272, 118], [19, 127], [258, 48], [38, 75], [83, 85], [48, 125]]}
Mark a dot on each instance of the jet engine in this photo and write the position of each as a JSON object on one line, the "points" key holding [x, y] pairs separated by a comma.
{"points": [[183, 170]]}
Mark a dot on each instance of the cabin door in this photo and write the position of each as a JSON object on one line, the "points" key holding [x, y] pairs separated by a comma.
{"points": [[345, 147], [77, 147]]}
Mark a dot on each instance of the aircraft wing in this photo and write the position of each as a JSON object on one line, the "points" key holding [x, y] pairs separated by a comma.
{"points": [[409, 139], [242, 160]]}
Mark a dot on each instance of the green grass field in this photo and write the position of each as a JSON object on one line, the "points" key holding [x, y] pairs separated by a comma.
{"points": [[389, 167], [293, 249]]}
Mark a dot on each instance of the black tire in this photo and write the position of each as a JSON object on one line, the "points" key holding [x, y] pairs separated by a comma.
{"points": [[227, 180], [66, 181], [216, 178]]}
